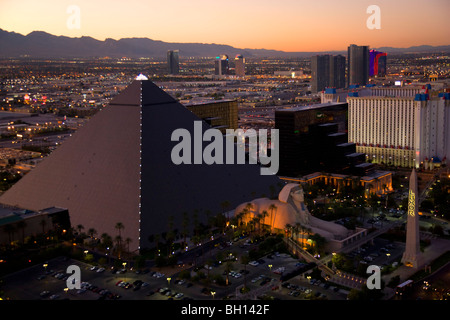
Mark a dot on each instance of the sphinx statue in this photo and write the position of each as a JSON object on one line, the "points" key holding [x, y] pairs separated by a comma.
{"points": [[290, 209]]}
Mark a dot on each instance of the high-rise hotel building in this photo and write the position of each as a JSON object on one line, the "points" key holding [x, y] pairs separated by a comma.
{"points": [[327, 71], [239, 67], [173, 61], [406, 131], [358, 65]]}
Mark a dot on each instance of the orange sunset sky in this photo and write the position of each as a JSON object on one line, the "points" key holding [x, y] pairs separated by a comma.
{"points": [[288, 25]]}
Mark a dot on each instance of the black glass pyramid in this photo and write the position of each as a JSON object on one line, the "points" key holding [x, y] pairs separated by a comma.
{"points": [[118, 168]]}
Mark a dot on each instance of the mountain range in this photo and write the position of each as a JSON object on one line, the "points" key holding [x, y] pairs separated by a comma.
{"points": [[39, 44]]}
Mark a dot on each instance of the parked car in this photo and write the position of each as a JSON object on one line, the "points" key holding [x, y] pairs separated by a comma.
{"points": [[45, 293]]}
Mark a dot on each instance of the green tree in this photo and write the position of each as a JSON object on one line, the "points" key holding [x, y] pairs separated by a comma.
{"points": [[80, 227], [245, 259], [21, 225]]}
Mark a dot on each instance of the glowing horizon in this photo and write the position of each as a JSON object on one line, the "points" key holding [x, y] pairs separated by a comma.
{"points": [[287, 25]]}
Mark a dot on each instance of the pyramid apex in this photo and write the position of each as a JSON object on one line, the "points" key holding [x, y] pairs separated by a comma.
{"points": [[141, 77]]}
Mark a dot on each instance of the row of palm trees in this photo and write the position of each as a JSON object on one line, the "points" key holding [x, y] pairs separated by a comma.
{"points": [[247, 218], [248, 221], [107, 242], [12, 228]]}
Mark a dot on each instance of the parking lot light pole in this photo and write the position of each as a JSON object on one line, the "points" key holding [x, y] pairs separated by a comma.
{"points": [[124, 264]]}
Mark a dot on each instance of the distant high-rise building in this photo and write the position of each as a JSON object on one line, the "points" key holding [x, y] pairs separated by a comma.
{"points": [[377, 63], [220, 115], [239, 65], [173, 61], [358, 65], [320, 72], [221, 65], [337, 72], [327, 71]]}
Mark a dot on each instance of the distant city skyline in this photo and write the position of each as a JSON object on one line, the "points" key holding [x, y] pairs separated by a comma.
{"points": [[287, 25]]}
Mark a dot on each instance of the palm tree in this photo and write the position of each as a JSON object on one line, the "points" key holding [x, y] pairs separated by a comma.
{"points": [[288, 229], [185, 226], [107, 242], [240, 217], [272, 208], [249, 206], [118, 240], [297, 228], [9, 228], [119, 226], [264, 215], [91, 233], [43, 223], [170, 235], [288, 232], [80, 227], [157, 237], [128, 241], [21, 225], [259, 217], [245, 259], [228, 267]]}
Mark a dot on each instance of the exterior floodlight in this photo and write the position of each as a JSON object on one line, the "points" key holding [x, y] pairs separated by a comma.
{"points": [[141, 77]]}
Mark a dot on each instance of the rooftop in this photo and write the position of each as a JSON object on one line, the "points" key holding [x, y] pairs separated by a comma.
{"points": [[312, 107]]}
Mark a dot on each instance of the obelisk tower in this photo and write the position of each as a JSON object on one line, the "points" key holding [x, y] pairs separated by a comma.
{"points": [[412, 257]]}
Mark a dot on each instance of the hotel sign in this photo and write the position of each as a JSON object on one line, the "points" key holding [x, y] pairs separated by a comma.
{"points": [[412, 203]]}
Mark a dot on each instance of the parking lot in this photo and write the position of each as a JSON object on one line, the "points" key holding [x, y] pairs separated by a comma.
{"points": [[381, 253], [48, 282]]}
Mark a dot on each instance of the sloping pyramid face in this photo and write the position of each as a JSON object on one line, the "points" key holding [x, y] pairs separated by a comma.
{"points": [[118, 168]]}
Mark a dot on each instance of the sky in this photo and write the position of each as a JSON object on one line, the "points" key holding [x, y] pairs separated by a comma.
{"points": [[287, 25]]}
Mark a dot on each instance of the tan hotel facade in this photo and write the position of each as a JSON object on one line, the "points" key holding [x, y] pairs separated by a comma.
{"points": [[400, 131]]}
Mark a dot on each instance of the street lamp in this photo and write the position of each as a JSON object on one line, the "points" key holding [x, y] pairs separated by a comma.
{"points": [[124, 264], [45, 265], [270, 267], [213, 293], [168, 280]]}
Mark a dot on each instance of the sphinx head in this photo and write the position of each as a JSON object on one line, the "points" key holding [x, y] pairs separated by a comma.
{"points": [[291, 190]]}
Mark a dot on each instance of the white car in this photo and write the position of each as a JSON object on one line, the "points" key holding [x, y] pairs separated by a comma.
{"points": [[101, 270], [253, 263]]}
